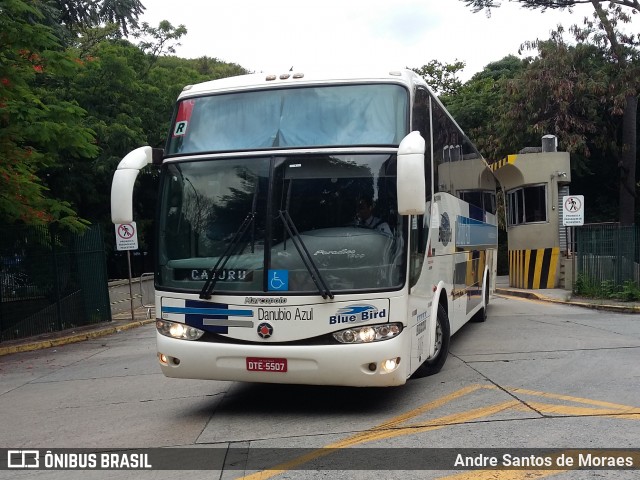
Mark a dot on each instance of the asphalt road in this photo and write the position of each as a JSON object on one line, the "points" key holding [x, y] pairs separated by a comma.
{"points": [[535, 375]]}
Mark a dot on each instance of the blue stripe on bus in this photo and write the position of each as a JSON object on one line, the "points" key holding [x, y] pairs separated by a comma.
{"points": [[208, 311], [471, 232]]}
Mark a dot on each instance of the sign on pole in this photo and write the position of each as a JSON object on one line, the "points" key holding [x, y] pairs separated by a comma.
{"points": [[127, 239], [126, 236], [573, 210]]}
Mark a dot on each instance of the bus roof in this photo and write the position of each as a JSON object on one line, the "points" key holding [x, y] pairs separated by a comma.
{"points": [[293, 78]]}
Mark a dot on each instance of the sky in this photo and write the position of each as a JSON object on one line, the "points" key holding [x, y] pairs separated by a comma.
{"points": [[274, 36]]}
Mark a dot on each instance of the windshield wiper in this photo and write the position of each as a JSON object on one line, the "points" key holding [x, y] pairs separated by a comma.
{"points": [[312, 268], [207, 289]]}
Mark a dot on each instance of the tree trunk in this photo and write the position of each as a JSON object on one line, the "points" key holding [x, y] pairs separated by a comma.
{"points": [[628, 162]]}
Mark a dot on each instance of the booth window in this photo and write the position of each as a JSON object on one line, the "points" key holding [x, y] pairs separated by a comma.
{"points": [[527, 205], [483, 199]]}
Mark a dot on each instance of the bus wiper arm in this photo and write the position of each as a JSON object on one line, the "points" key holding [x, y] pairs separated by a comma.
{"points": [[312, 268], [207, 289]]}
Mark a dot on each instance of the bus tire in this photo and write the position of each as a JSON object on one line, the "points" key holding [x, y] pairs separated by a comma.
{"points": [[481, 315], [433, 365]]}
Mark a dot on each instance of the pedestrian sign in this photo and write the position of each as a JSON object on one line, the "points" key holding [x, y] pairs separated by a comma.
{"points": [[126, 236], [573, 210]]}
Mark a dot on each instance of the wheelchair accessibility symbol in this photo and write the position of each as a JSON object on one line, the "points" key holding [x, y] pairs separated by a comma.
{"points": [[278, 280]]}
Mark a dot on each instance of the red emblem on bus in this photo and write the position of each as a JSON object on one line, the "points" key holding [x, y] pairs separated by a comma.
{"points": [[265, 330]]}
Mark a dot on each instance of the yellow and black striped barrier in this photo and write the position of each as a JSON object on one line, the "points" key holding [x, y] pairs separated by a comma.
{"points": [[533, 269], [510, 159]]}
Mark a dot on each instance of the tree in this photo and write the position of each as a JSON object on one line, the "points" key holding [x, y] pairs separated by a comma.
{"points": [[129, 91], [479, 5], [622, 53], [37, 127], [441, 77], [160, 40], [566, 90], [481, 108], [77, 15]]}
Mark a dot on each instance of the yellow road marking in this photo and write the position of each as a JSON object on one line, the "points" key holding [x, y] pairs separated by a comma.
{"points": [[429, 406], [573, 411], [524, 299], [502, 474], [447, 420], [569, 398], [366, 436], [506, 474], [391, 428]]}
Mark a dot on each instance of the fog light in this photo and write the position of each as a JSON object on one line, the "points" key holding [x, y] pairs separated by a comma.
{"points": [[390, 365], [163, 359]]}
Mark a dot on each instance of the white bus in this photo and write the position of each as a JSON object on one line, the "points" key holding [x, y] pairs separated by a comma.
{"points": [[314, 229]]}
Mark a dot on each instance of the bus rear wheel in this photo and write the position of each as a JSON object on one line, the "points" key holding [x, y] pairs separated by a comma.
{"points": [[434, 364], [481, 315]]}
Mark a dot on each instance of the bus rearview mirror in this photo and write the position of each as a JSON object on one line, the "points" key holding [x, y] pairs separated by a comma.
{"points": [[123, 180], [411, 185]]}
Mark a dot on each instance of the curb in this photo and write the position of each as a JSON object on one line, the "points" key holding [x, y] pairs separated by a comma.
{"points": [[74, 338], [593, 306]]}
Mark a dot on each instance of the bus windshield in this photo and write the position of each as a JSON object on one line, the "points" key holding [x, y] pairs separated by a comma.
{"points": [[367, 114], [252, 211]]}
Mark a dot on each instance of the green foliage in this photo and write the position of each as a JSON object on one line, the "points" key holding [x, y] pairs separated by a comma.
{"points": [[629, 291], [77, 15], [565, 94], [157, 41], [478, 5], [586, 287], [72, 105], [441, 77], [481, 109], [37, 127], [586, 93]]}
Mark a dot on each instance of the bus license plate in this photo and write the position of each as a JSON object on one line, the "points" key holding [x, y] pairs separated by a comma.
{"points": [[255, 364]]}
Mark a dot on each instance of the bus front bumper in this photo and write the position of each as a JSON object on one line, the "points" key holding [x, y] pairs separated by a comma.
{"points": [[359, 365]]}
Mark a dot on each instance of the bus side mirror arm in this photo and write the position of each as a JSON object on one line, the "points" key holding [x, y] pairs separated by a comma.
{"points": [[123, 180], [411, 186], [157, 156]]}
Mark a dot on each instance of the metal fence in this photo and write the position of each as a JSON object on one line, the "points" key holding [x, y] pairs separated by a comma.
{"points": [[607, 253], [51, 280]]}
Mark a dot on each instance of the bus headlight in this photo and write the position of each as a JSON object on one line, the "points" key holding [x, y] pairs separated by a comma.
{"points": [[178, 330], [368, 333]]}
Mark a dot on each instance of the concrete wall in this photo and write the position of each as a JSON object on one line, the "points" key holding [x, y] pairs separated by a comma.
{"points": [[531, 242]]}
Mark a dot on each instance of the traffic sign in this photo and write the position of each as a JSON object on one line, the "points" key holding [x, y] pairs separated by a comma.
{"points": [[126, 236], [573, 210]]}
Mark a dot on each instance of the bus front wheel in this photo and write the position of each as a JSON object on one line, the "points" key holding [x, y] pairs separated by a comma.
{"points": [[443, 335]]}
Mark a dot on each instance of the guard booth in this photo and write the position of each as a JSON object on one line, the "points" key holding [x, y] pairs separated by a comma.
{"points": [[534, 182]]}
